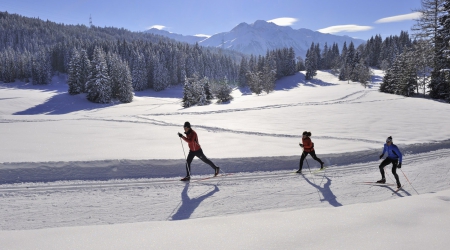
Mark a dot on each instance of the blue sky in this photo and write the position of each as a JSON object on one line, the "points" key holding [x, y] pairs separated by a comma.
{"points": [[355, 18]]}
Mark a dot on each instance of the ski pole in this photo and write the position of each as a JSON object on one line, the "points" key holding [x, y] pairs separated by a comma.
{"points": [[308, 165], [187, 167], [408, 181]]}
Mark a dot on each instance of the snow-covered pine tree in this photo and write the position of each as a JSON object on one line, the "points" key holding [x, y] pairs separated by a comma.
{"points": [[408, 81], [243, 69], [222, 91], [291, 67], [300, 66], [98, 87], [8, 66], [423, 54], [268, 74], [124, 85], [254, 81], [311, 62], [401, 77], [73, 74], [139, 72], [189, 94], [41, 69], [161, 76], [201, 94], [388, 85], [205, 82], [84, 70]]}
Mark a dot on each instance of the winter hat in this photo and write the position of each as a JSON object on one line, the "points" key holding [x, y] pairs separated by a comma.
{"points": [[306, 133], [187, 125], [389, 139]]}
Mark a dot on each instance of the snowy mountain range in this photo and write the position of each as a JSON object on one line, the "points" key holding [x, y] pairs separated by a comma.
{"points": [[260, 36]]}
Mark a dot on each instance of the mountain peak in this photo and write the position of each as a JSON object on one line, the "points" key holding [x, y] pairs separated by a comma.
{"points": [[262, 24], [260, 36]]}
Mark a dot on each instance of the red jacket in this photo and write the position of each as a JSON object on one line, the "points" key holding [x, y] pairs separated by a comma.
{"points": [[308, 145], [192, 140]]}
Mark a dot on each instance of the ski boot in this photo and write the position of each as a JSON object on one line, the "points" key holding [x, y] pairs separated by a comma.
{"points": [[383, 180], [187, 178], [216, 172]]}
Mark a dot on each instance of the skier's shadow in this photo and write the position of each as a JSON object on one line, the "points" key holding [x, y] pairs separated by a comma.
{"points": [[326, 191], [188, 205]]}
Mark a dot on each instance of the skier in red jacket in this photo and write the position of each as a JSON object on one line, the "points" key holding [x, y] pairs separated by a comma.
{"points": [[194, 150], [308, 148]]}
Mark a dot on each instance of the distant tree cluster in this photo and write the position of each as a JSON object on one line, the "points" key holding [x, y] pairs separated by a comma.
{"points": [[200, 91], [354, 64], [259, 73], [426, 63], [440, 76], [33, 50]]}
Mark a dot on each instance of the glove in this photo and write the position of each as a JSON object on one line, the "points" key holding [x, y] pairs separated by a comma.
{"points": [[399, 165], [301, 145], [180, 135], [381, 156]]}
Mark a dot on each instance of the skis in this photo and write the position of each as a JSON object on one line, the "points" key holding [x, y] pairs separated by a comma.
{"points": [[209, 177], [318, 170], [375, 183], [398, 189], [312, 172]]}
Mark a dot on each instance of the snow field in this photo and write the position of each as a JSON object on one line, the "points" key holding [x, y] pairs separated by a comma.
{"points": [[77, 175]]}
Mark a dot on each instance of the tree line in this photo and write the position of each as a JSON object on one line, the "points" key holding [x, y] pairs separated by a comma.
{"points": [[33, 50]]}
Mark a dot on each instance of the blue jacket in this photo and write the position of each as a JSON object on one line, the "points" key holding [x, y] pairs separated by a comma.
{"points": [[393, 152]]}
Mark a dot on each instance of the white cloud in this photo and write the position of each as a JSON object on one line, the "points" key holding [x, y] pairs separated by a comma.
{"points": [[202, 35], [400, 18], [283, 21], [159, 27], [345, 28]]}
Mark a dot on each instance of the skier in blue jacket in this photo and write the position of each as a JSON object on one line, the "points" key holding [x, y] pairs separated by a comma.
{"points": [[394, 157]]}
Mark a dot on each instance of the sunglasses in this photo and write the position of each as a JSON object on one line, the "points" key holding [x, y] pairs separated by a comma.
{"points": [[387, 141]]}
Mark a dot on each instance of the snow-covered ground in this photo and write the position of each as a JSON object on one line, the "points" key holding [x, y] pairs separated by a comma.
{"points": [[77, 175]]}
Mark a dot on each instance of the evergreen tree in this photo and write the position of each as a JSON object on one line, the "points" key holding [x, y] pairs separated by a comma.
{"points": [[41, 68], [255, 82], [401, 78], [311, 64], [300, 64], [124, 85], [98, 86], [73, 74], [189, 96], [139, 73], [423, 54], [84, 70], [222, 91], [243, 69]]}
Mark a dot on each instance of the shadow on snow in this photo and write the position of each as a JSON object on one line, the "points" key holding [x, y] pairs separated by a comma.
{"points": [[325, 190], [188, 205], [64, 103]]}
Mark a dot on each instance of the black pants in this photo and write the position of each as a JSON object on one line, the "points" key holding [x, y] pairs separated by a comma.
{"points": [[386, 162], [313, 154], [199, 154]]}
